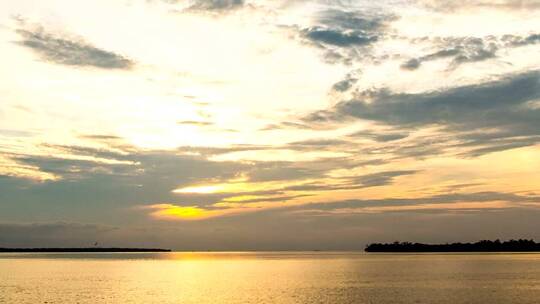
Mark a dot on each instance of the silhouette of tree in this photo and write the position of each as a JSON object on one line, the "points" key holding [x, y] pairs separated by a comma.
{"points": [[520, 245]]}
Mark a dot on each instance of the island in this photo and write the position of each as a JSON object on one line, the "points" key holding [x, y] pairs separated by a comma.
{"points": [[520, 245], [90, 249]]}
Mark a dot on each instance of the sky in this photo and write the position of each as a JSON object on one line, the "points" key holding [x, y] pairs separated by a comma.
{"points": [[268, 124]]}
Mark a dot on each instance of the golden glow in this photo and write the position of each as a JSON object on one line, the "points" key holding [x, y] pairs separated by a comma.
{"points": [[200, 189], [188, 213], [178, 212]]}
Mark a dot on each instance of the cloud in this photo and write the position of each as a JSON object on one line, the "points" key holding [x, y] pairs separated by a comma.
{"points": [[452, 5], [195, 123], [344, 28], [120, 176], [499, 107], [212, 151], [111, 183], [64, 50], [337, 38], [313, 143], [353, 20], [470, 49], [286, 125], [496, 145], [345, 35], [215, 5], [282, 172], [411, 64], [522, 41], [235, 203], [380, 136], [70, 168], [345, 84], [17, 133], [379, 178], [482, 197], [460, 50], [101, 137], [272, 199]]}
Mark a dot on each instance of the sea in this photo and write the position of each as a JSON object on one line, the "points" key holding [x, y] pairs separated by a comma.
{"points": [[270, 277]]}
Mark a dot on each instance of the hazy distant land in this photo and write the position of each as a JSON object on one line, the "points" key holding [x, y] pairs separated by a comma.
{"points": [[91, 249], [481, 246]]}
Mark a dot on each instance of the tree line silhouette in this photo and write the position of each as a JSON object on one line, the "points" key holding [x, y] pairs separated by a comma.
{"points": [[520, 245]]}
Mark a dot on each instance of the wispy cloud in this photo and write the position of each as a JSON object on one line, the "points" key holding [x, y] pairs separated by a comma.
{"points": [[64, 50], [462, 50], [442, 199], [195, 123], [451, 5], [215, 5]]}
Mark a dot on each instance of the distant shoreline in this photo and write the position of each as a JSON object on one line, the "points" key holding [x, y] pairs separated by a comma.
{"points": [[481, 246], [74, 250]]}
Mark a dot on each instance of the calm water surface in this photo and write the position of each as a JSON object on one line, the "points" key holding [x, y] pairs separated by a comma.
{"points": [[319, 277]]}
